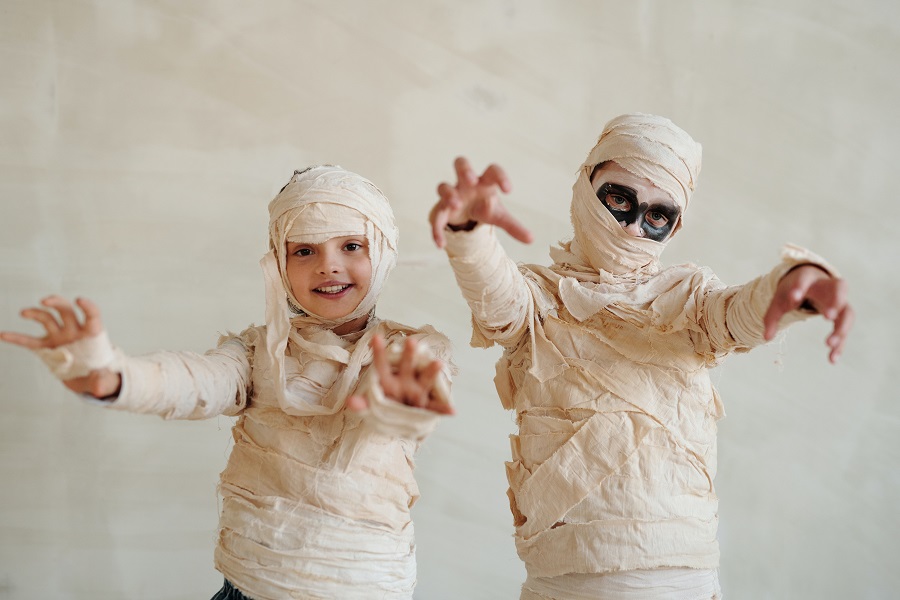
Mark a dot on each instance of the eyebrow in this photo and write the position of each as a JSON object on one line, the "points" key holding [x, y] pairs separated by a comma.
{"points": [[619, 189]]}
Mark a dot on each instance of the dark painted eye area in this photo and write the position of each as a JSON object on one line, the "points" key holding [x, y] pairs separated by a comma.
{"points": [[618, 199], [617, 202], [656, 218]]}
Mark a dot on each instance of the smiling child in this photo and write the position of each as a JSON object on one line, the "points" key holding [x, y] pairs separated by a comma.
{"points": [[316, 498]]}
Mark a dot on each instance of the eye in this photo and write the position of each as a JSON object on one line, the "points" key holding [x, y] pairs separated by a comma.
{"points": [[657, 219], [616, 202], [353, 247], [303, 252]]}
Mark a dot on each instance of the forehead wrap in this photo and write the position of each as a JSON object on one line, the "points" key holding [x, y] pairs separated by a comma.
{"points": [[319, 222], [654, 148]]}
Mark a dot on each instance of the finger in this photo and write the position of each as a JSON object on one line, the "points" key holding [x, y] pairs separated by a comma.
{"points": [[407, 371], [44, 317], [492, 211], [439, 220], [495, 175], [66, 312], [93, 324], [829, 297], [513, 227], [429, 374], [25, 341], [838, 338], [449, 196], [465, 175], [386, 377], [441, 407], [379, 358]]}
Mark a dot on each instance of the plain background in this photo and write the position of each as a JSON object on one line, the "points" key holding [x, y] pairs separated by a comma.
{"points": [[141, 140]]}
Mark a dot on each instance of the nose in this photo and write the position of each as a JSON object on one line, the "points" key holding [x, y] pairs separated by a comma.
{"points": [[633, 228], [329, 262]]}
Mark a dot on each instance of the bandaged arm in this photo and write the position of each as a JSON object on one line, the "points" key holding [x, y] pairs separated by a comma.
{"points": [[731, 318], [496, 291], [173, 385]]}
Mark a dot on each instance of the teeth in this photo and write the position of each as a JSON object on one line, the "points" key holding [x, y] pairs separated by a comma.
{"points": [[332, 289]]}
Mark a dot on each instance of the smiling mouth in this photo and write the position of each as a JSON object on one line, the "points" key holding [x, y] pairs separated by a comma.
{"points": [[332, 290]]}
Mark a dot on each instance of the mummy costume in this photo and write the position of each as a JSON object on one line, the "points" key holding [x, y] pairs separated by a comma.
{"points": [[316, 499], [605, 362]]}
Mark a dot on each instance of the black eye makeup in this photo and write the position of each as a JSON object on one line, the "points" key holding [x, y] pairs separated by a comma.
{"points": [[656, 220]]}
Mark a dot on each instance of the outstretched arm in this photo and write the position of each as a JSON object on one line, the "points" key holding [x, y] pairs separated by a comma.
{"points": [[174, 385], [739, 318], [809, 287], [462, 222]]}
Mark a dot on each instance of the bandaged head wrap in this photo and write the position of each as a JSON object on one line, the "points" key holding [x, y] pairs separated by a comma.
{"points": [[321, 203], [648, 146], [318, 204]]}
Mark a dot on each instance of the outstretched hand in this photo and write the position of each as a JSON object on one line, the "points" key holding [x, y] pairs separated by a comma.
{"points": [[811, 286], [403, 382], [63, 326], [474, 198]]}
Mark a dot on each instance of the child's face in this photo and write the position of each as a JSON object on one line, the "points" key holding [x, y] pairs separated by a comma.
{"points": [[640, 207], [330, 279]]}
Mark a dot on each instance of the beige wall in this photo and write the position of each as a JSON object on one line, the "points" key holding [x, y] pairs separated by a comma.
{"points": [[141, 140]]}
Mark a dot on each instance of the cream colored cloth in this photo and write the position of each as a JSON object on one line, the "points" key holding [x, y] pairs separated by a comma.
{"points": [[605, 362], [313, 506], [656, 584], [315, 498], [613, 465]]}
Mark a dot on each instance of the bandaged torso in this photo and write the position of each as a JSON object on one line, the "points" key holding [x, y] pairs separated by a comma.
{"points": [[613, 465], [314, 506]]}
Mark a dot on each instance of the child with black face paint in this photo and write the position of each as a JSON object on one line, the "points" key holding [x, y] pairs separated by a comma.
{"points": [[606, 358]]}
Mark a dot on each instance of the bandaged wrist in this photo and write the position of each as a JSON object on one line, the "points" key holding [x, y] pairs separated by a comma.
{"points": [[79, 358]]}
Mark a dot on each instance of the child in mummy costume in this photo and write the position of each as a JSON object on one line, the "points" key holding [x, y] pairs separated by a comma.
{"points": [[606, 358], [316, 498]]}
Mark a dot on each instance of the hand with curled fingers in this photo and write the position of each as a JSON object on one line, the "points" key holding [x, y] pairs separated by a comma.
{"points": [[808, 286], [406, 380], [76, 350], [474, 199]]}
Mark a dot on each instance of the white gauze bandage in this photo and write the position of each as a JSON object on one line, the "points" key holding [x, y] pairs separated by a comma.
{"points": [[648, 146], [79, 358], [317, 204]]}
